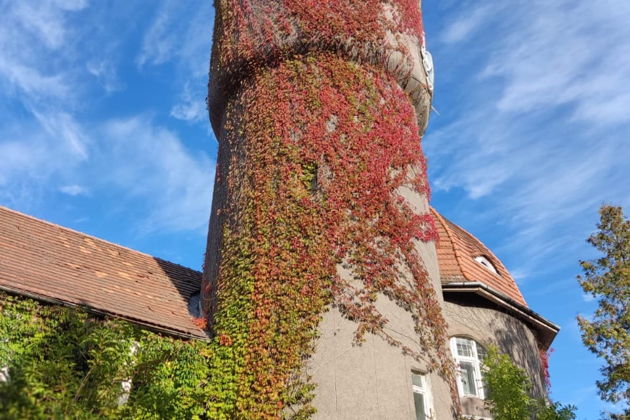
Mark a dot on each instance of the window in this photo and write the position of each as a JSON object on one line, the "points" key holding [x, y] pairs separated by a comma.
{"points": [[126, 385], [486, 263], [468, 356], [421, 396], [4, 374]]}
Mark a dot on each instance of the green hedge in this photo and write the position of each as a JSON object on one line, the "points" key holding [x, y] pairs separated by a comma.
{"points": [[66, 363]]}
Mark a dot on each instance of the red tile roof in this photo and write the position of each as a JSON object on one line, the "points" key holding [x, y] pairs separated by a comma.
{"points": [[53, 263], [457, 250], [49, 262]]}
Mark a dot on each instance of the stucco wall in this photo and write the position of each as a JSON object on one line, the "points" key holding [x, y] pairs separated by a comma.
{"points": [[373, 380], [473, 317]]}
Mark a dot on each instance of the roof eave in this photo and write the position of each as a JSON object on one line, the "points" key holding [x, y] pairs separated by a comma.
{"points": [[92, 310], [546, 329]]}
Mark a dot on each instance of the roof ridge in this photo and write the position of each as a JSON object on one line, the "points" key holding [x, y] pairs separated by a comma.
{"points": [[87, 235]]}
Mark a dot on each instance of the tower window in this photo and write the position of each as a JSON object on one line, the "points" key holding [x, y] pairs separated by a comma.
{"points": [[421, 396], [468, 355], [486, 263]]}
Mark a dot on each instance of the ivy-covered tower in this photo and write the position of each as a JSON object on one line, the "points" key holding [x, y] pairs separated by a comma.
{"points": [[320, 281]]}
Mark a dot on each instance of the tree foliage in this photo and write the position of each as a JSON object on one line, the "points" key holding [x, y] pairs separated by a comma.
{"points": [[607, 278], [65, 363], [508, 390]]}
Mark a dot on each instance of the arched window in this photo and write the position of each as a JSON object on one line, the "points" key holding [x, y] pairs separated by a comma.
{"points": [[468, 355]]}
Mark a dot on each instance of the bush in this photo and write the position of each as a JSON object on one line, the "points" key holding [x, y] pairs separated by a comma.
{"points": [[508, 392], [66, 363]]}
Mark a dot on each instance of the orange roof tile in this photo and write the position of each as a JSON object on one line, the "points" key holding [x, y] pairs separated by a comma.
{"points": [[457, 250], [53, 263]]}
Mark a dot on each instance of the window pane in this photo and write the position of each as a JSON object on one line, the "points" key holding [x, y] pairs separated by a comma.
{"points": [[467, 372], [418, 400], [481, 353], [416, 380], [464, 347]]}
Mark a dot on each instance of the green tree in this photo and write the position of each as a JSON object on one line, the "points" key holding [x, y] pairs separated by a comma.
{"points": [[607, 278], [508, 390], [64, 363]]}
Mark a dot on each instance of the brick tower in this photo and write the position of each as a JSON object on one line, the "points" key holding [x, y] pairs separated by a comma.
{"points": [[320, 281]]}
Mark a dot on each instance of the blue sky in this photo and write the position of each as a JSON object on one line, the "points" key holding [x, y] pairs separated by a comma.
{"points": [[103, 129]]}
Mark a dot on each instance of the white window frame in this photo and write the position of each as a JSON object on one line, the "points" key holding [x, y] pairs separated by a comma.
{"points": [[4, 374], [126, 384], [475, 361], [425, 392], [487, 264]]}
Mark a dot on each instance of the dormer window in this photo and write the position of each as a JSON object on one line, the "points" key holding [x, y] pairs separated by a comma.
{"points": [[486, 263]]}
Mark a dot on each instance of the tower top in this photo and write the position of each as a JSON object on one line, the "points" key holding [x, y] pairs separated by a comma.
{"points": [[261, 33]]}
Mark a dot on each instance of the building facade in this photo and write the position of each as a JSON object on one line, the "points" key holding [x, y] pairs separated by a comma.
{"points": [[325, 263], [375, 380]]}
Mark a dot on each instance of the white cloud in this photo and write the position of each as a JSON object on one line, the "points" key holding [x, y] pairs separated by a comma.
{"points": [[46, 140], [467, 24], [567, 52], [63, 126], [169, 40], [145, 166], [159, 44], [17, 157], [31, 30], [190, 108], [180, 32], [73, 190], [71, 4], [30, 153], [539, 133], [30, 81], [105, 71], [43, 19], [31, 160], [37, 54], [157, 169], [40, 138]]}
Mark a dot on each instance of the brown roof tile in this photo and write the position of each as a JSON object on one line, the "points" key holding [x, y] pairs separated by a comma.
{"points": [[457, 250], [50, 262]]}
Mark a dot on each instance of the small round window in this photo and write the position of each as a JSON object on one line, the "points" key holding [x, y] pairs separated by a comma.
{"points": [[486, 263]]}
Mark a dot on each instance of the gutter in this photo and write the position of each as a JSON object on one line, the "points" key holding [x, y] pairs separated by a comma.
{"points": [[548, 330]]}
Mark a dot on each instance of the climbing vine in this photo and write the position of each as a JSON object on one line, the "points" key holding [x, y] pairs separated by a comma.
{"points": [[544, 366], [322, 158], [249, 28], [254, 34], [322, 170], [65, 363]]}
